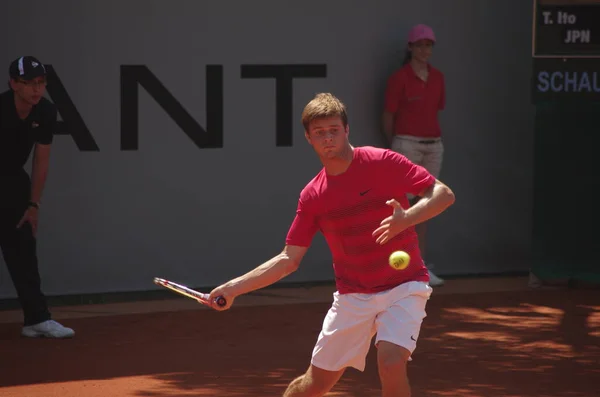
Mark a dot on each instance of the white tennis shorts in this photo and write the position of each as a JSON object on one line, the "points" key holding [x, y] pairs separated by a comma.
{"points": [[394, 316]]}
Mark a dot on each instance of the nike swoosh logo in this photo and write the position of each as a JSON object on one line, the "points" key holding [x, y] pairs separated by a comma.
{"points": [[365, 192], [413, 338]]}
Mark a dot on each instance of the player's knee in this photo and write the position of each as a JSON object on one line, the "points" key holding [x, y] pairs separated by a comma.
{"points": [[391, 365], [316, 389], [308, 386], [318, 382], [391, 359]]}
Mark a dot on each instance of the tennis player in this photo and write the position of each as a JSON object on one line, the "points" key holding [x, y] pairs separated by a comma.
{"points": [[358, 201]]}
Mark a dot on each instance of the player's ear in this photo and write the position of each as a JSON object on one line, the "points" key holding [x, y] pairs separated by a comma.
{"points": [[307, 137]]}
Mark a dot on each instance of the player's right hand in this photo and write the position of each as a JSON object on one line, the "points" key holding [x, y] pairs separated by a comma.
{"points": [[226, 293]]}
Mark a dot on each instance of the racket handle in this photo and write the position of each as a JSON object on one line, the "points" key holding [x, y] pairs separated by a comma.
{"points": [[220, 301]]}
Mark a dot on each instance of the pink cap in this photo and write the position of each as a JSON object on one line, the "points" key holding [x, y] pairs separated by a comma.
{"points": [[420, 32]]}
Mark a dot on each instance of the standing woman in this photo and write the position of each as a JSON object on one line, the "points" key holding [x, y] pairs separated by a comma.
{"points": [[414, 95]]}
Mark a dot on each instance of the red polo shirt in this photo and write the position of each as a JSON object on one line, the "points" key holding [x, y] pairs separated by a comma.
{"points": [[346, 208], [415, 103]]}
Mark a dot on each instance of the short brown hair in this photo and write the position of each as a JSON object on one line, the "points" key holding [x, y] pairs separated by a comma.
{"points": [[321, 106]]}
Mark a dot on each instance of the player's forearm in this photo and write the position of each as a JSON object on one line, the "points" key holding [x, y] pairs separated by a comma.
{"points": [[266, 274], [434, 202]]}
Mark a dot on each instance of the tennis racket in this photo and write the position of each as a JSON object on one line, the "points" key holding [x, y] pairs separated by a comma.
{"points": [[190, 293]]}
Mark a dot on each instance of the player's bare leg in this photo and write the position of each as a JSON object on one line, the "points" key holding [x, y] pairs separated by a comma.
{"points": [[314, 383], [392, 360]]}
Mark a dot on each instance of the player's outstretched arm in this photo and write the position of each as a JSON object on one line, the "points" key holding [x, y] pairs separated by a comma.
{"points": [[264, 275]]}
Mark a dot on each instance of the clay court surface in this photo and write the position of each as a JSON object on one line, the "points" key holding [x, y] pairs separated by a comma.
{"points": [[488, 337]]}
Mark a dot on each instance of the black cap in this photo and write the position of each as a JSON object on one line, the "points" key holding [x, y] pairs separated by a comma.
{"points": [[26, 68]]}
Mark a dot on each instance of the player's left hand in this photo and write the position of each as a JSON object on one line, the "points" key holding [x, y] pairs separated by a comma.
{"points": [[392, 225], [31, 217]]}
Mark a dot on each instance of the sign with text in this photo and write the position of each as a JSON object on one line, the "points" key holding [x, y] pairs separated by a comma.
{"points": [[566, 79], [566, 29]]}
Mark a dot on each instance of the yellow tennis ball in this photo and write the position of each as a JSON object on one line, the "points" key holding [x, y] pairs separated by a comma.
{"points": [[399, 260]]}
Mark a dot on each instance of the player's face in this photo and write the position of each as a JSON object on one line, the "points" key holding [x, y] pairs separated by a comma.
{"points": [[328, 136], [30, 91], [422, 49]]}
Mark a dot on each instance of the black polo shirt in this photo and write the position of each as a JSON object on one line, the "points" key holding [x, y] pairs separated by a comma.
{"points": [[17, 137]]}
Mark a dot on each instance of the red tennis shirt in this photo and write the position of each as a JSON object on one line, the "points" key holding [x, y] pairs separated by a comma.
{"points": [[416, 103], [347, 208]]}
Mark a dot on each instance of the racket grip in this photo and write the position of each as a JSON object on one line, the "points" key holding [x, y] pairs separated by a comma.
{"points": [[220, 301]]}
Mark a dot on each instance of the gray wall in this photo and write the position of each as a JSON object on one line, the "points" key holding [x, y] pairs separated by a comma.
{"points": [[112, 220]]}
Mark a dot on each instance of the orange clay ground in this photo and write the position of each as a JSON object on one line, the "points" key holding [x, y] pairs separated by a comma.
{"points": [[482, 337]]}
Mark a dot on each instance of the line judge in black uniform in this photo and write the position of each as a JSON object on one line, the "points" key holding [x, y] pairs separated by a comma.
{"points": [[27, 121]]}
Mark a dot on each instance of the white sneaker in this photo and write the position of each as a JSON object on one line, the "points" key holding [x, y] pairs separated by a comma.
{"points": [[47, 329], [435, 281]]}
